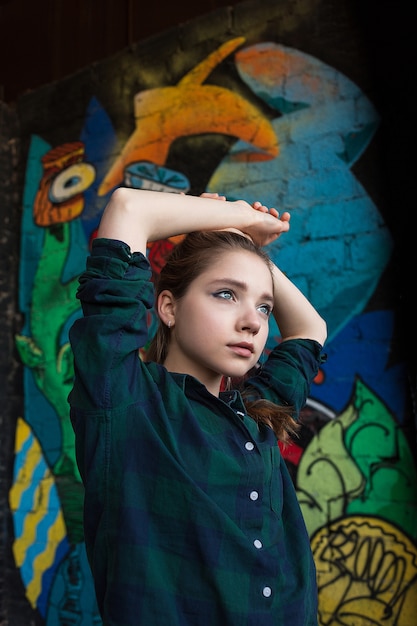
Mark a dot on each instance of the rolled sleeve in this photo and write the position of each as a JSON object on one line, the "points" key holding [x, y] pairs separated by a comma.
{"points": [[116, 295], [286, 376]]}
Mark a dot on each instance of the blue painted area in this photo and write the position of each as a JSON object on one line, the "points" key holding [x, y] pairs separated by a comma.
{"points": [[32, 236], [100, 143], [338, 245], [72, 597], [362, 349], [42, 418], [49, 575]]}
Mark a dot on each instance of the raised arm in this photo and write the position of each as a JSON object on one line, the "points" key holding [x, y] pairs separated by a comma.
{"points": [[295, 315], [139, 216], [293, 312]]}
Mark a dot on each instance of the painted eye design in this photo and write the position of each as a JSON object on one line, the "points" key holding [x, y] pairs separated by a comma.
{"points": [[72, 181]]}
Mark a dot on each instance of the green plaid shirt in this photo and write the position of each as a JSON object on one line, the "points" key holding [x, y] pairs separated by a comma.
{"points": [[191, 517]]}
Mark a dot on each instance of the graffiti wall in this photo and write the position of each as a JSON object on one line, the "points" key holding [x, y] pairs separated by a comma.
{"points": [[251, 115]]}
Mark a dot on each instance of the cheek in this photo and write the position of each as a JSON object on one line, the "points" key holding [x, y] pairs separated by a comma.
{"points": [[210, 324], [194, 320], [200, 313]]}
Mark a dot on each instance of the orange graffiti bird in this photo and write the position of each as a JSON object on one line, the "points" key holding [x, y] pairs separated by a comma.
{"points": [[191, 108]]}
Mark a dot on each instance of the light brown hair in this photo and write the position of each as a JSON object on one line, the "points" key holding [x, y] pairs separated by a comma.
{"points": [[186, 262]]}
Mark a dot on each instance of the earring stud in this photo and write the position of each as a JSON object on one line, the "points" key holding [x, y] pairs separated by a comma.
{"points": [[169, 324]]}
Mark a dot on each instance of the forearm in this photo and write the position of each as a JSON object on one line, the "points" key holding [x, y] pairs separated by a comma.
{"points": [[295, 315], [138, 217]]}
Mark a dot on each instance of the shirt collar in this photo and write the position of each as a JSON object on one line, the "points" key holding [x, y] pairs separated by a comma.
{"points": [[191, 384]]}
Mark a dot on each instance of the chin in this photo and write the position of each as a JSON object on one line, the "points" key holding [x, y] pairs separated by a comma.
{"points": [[239, 374], [241, 370]]}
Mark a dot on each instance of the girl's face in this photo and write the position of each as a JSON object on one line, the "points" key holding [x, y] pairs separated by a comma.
{"points": [[221, 324]]}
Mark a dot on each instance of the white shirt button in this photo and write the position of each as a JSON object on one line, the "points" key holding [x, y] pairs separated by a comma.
{"points": [[257, 544], [254, 495], [267, 592], [249, 445]]}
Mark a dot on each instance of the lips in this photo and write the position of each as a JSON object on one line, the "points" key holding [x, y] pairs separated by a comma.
{"points": [[242, 349]]}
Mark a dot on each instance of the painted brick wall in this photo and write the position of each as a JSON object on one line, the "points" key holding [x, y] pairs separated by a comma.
{"points": [[204, 107]]}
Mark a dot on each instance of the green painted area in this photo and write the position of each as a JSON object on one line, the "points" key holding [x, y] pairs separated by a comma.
{"points": [[359, 464], [53, 302]]}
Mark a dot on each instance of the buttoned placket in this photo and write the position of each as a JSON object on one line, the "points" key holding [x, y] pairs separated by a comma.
{"points": [[254, 495]]}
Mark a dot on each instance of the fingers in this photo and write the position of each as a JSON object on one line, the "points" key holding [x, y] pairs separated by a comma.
{"points": [[214, 196], [258, 206]]}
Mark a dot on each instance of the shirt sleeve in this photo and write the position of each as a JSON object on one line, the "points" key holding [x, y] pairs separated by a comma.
{"points": [[116, 294], [286, 376]]}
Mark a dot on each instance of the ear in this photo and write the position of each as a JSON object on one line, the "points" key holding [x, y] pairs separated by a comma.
{"points": [[166, 307]]}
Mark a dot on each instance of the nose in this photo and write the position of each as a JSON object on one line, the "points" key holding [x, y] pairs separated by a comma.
{"points": [[250, 322]]}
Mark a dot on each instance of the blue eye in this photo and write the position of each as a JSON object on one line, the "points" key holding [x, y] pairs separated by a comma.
{"points": [[265, 309], [224, 293]]}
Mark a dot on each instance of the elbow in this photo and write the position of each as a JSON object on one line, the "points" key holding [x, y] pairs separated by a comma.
{"points": [[114, 223], [120, 198]]}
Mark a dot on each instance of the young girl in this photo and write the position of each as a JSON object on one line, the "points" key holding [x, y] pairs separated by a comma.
{"points": [[191, 517]]}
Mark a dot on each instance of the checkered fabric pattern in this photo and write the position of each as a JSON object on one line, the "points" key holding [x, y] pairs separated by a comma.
{"points": [[191, 517]]}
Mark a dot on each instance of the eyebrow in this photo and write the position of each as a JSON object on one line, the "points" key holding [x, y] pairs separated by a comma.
{"points": [[240, 284]]}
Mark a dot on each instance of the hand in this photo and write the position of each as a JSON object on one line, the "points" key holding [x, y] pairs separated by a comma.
{"points": [[263, 232], [258, 206], [268, 230]]}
